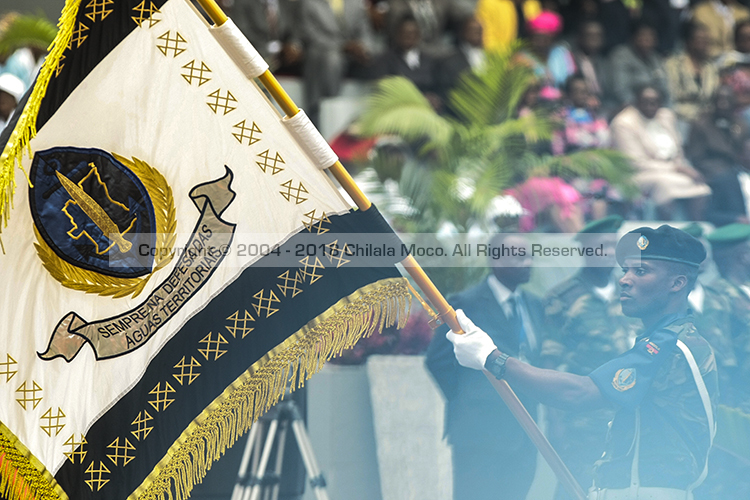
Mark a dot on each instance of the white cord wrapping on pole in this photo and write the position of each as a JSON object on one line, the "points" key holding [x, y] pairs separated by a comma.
{"points": [[308, 136], [239, 49]]}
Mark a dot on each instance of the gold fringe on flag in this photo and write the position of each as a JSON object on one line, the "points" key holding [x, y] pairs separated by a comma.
{"points": [[22, 476], [369, 309], [25, 128]]}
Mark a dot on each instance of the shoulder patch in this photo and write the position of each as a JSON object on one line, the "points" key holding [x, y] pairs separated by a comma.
{"points": [[624, 379]]}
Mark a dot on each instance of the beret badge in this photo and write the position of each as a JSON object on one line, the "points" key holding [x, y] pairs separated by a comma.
{"points": [[642, 243]]}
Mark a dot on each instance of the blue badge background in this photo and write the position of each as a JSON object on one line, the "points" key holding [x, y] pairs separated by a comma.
{"points": [[47, 198]]}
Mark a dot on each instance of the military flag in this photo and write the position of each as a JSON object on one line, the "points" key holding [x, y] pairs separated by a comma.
{"points": [[145, 325]]}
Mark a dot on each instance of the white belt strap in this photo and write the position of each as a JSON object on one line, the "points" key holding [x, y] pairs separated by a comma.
{"points": [[705, 398], [635, 479]]}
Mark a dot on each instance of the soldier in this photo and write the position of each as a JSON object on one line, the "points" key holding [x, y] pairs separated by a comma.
{"points": [[665, 388], [731, 249], [712, 313], [727, 310], [586, 328]]}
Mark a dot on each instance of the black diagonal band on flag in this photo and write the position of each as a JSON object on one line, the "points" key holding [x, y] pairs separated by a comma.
{"points": [[217, 371], [102, 36]]}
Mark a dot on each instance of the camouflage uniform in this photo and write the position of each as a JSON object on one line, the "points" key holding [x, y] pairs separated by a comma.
{"points": [[584, 332], [734, 381], [714, 323]]}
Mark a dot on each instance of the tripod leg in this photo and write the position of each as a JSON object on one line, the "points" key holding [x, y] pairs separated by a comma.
{"points": [[308, 457], [257, 480], [281, 444], [239, 486], [257, 446]]}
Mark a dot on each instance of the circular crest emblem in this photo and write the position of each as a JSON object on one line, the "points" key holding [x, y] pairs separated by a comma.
{"points": [[99, 219], [642, 243], [624, 379]]}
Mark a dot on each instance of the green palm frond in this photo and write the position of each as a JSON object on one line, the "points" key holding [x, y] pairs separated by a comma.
{"points": [[534, 127], [463, 162], [26, 31], [491, 95], [610, 165], [416, 185], [398, 107]]}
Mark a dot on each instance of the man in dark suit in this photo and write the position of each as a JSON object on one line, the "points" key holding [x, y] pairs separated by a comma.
{"points": [[468, 56], [406, 58], [492, 456], [271, 26]]}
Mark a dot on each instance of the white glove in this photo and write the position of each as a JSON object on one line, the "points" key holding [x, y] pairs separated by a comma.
{"points": [[473, 347]]}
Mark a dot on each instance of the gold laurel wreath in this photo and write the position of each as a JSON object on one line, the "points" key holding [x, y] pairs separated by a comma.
{"points": [[87, 281]]}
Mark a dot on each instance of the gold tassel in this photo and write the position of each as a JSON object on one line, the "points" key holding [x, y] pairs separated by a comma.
{"points": [[22, 476], [369, 309], [25, 128]]}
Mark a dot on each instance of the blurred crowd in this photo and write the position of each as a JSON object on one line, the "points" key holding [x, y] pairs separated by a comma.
{"points": [[19, 63], [667, 82]]}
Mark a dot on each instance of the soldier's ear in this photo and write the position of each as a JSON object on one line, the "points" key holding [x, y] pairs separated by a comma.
{"points": [[679, 282]]}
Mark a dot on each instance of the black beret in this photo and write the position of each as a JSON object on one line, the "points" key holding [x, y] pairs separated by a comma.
{"points": [[664, 243], [609, 224], [728, 235]]}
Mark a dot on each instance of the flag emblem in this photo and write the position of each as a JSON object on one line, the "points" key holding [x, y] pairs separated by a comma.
{"points": [[163, 193], [92, 213]]}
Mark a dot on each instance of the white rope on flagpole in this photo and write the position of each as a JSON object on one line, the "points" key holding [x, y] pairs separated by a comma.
{"points": [[243, 54], [308, 136]]}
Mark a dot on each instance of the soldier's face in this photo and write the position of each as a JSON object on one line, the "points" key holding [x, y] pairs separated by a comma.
{"points": [[644, 287]]}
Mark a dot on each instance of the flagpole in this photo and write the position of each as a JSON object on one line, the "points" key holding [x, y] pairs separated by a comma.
{"points": [[444, 310]]}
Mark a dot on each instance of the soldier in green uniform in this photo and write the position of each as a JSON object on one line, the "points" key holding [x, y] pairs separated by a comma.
{"points": [[664, 389], [727, 325], [586, 328], [731, 249], [712, 314]]}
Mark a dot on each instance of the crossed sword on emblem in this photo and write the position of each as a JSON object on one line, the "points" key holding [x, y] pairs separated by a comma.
{"points": [[96, 213]]}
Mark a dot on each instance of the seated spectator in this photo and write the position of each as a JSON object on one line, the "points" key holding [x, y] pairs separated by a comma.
{"points": [[647, 134], [692, 77], [550, 205], [740, 56], [469, 55], [434, 18], [720, 16], [582, 127], [738, 78], [334, 36], [590, 62], [552, 63], [271, 26], [615, 16], [667, 15], [11, 92], [731, 192], [529, 101], [505, 20], [636, 64], [407, 59], [715, 141]]}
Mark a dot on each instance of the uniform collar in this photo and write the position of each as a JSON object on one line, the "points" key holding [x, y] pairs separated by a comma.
{"points": [[663, 322]]}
